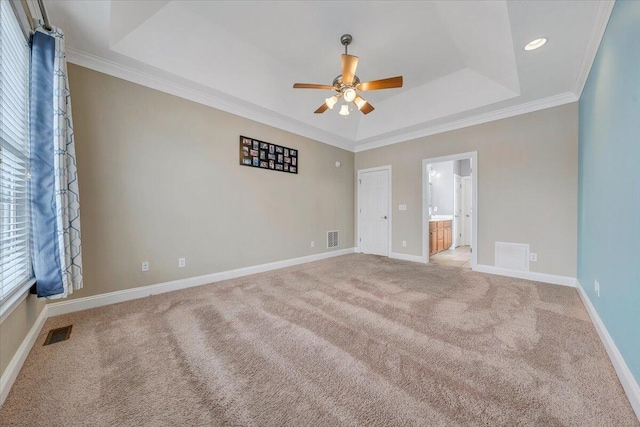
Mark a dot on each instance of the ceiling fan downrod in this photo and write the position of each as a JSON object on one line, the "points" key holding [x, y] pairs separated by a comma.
{"points": [[346, 40]]}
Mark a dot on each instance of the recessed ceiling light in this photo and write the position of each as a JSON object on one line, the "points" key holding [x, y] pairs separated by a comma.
{"points": [[532, 45]]}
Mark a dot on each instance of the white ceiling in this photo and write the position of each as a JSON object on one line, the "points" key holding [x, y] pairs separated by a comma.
{"points": [[463, 62]]}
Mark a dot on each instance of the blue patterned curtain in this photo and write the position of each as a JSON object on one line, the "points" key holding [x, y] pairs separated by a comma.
{"points": [[55, 205]]}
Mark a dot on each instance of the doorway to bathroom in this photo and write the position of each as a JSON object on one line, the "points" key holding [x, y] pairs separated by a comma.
{"points": [[449, 210]]}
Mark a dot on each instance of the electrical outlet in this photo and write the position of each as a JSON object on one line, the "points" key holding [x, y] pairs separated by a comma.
{"points": [[596, 288], [404, 243], [533, 257], [313, 244], [182, 262], [145, 265]]}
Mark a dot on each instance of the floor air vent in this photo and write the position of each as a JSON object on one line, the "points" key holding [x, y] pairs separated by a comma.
{"points": [[332, 239], [57, 335]]}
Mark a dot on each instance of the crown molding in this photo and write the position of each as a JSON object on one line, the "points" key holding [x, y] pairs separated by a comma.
{"points": [[602, 19], [263, 116], [266, 117], [541, 104]]}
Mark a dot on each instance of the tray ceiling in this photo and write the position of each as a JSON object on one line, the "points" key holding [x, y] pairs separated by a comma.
{"points": [[462, 62]]}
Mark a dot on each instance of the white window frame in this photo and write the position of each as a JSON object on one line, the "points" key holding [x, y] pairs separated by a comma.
{"points": [[19, 292]]}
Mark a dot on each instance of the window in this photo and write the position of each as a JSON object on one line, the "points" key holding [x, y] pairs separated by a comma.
{"points": [[15, 233]]}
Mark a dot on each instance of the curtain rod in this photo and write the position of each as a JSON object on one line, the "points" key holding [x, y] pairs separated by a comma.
{"points": [[25, 7], [43, 12]]}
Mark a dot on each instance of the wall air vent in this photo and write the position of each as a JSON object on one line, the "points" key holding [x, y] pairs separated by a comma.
{"points": [[332, 239]]}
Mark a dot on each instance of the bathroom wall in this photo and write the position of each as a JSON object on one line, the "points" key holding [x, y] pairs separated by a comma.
{"points": [[442, 188], [464, 166]]}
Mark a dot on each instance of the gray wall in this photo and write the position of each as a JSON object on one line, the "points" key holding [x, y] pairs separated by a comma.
{"points": [[527, 176], [159, 179], [442, 188]]}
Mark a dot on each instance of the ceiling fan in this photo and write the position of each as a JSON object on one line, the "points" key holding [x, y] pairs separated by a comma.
{"points": [[348, 84]]}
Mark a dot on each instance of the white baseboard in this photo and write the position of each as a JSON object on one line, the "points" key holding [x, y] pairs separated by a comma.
{"points": [[13, 368], [528, 275], [406, 257], [70, 306], [629, 383]]}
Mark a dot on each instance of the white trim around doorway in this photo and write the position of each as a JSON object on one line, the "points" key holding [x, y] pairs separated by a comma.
{"points": [[473, 155], [390, 208]]}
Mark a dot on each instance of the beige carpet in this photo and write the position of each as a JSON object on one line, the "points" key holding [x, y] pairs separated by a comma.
{"points": [[355, 340]]}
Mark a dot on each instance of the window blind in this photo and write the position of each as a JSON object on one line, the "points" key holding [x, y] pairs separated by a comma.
{"points": [[15, 233]]}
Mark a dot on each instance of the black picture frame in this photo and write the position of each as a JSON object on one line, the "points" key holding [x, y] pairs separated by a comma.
{"points": [[265, 155]]}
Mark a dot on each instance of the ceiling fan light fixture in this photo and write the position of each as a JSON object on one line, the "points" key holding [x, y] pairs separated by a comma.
{"points": [[359, 103], [331, 101], [349, 94], [535, 44], [344, 110]]}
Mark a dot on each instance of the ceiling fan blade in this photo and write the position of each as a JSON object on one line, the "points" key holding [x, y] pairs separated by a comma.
{"points": [[312, 86], [390, 83], [349, 65], [363, 105], [322, 108]]}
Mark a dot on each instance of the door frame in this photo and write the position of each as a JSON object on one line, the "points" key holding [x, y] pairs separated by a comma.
{"points": [[456, 229], [389, 207], [426, 192], [465, 188]]}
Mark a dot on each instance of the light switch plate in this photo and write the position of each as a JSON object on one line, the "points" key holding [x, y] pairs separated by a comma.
{"points": [[182, 262], [402, 207]]}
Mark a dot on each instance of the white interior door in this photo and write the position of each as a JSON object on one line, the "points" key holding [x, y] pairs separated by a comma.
{"points": [[457, 211], [467, 210], [373, 215]]}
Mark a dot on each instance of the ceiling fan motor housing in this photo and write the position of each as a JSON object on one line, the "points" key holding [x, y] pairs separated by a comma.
{"points": [[338, 84]]}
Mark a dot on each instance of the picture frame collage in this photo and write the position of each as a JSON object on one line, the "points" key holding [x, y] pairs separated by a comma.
{"points": [[264, 155]]}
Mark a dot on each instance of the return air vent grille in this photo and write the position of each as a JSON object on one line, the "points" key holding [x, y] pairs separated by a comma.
{"points": [[57, 335], [512, 256], [332, 239]]}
